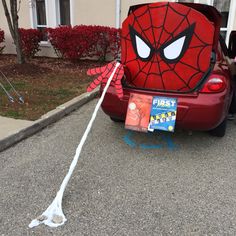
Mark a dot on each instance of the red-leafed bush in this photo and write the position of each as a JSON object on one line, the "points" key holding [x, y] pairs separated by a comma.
{"points": [[84, 41], [69, 42], [106, 42], [30, 39], [2, 39]]}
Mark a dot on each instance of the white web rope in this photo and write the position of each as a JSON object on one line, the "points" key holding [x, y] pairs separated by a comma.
{"points": [[54, 216]]}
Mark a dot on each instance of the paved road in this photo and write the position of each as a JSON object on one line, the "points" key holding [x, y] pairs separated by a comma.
{"points": [[125, 183]]}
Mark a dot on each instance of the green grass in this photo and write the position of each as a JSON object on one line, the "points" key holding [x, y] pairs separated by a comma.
{"points": [[17, 85], [60, 93], [42, 92], [13, 114]]}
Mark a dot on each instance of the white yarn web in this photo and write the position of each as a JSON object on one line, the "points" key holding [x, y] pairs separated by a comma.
{"points": [[54, 216]]}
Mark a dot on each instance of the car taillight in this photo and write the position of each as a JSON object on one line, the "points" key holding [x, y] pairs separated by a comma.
{"points": [[214, 84]]}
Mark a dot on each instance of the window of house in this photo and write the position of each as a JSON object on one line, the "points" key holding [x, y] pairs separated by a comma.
{"points": [[50, 13], [223, 6], [64, 6], [41, 16]]}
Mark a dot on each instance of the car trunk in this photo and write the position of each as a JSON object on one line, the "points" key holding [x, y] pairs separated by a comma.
{"points": [[154, 72]]}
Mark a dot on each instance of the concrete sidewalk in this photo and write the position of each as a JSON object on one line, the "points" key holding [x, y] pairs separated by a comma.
{"points": [[9, 126], [13, 131]]}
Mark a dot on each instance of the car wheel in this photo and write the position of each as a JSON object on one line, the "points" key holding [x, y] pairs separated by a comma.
{"points": [[232, 108], [116, 119], [219, 131]]}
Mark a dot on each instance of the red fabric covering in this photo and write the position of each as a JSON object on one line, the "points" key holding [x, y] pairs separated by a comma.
{"points": [[103, 73], [158, 25]]}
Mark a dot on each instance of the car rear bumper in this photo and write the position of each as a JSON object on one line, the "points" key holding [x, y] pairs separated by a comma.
{"points": [[196, 111]]}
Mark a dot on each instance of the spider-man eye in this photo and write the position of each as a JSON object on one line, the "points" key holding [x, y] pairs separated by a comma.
{"points": [[142, 48], [173, 51]]}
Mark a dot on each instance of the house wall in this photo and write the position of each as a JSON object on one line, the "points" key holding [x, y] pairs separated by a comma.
{"points": [[126, 4], [102, 12], [24, 22], [97, 13]]}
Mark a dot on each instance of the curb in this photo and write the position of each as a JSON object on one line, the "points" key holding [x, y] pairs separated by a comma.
{"points": [[47, 119]]}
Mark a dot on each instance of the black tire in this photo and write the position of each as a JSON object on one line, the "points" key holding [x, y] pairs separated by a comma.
{"points": [[116, 119], [232, 108], [220, 130]]}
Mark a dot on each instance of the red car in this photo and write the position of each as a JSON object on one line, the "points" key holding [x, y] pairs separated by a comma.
{"points": [[175, 50]]}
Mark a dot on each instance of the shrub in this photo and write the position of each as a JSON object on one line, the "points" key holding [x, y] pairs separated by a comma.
{"points": [[30, 39], [82, 41], [69, 42], [2, 39], [106, 42]]}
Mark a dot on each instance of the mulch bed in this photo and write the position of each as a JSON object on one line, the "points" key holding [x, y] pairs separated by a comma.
{"points": [[44, 83]]}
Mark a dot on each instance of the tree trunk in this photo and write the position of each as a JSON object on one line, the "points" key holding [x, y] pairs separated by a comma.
{"points": [[12, 20]]}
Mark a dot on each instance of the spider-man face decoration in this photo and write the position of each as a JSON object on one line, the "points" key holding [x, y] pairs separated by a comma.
{"points": [[166, 46]]}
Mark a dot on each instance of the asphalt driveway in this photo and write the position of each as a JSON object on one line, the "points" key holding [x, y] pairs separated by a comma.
{"points": [[126, 183]]}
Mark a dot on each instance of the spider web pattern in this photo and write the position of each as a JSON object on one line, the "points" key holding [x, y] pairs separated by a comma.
{"points": [[155, 24]]}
